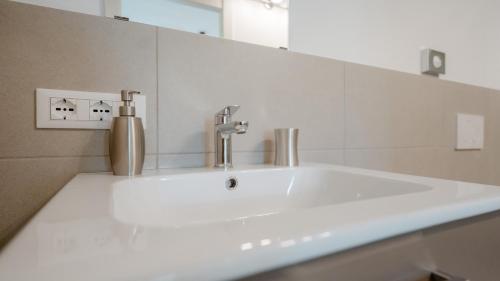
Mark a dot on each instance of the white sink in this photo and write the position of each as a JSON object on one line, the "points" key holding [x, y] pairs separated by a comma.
{"points": [[179, 200], [186, 225]]}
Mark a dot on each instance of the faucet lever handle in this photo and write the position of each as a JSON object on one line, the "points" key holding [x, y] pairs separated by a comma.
{"points": [[228, 110]]}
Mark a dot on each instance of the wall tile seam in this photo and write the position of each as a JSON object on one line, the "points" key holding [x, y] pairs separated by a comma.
{"points": [[157, 161], [61, 157], [411, 74], [401, 147], [327, 149], [344, 124], [245, 151]]}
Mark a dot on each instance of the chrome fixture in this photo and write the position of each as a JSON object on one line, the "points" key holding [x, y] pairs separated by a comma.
{"points": [[231, 183], [126, 140], [224, 128], [285, 147]]}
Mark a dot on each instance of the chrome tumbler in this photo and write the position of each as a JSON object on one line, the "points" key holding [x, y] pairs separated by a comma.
{"points": [[286, 147]]}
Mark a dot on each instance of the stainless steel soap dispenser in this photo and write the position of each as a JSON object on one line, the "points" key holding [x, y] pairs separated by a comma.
{"points": [[126, 141]]}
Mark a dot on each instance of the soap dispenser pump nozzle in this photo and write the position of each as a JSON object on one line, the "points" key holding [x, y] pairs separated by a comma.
{"points": [[127, 109]]}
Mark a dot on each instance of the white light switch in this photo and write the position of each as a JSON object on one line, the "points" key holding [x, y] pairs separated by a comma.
{"points": [[470, 131]]}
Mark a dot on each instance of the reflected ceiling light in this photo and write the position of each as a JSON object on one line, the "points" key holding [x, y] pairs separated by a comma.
{"points": [[325, 234], [246, 246], [268, 4], [265, 242], [307, 238], [288, 243]]}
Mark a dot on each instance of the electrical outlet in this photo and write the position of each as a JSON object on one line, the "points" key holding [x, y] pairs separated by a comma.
{"points": [[80, 106], [101, 110], [63, 109]]}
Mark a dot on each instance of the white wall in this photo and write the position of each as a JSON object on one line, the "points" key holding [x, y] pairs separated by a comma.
{"points": [[249, 21], [390, 34], [91, 7]]}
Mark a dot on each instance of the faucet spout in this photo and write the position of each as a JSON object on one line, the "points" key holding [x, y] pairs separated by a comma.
{"points": [[235, 127]]}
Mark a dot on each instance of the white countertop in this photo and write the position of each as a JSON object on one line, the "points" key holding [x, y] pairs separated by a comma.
{"points": [[87, 232]]}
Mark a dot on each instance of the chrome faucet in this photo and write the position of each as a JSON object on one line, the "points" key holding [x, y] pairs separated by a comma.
{"points": [[224, 128]]}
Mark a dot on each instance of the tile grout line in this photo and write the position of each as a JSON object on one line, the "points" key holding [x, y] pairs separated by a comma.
{"points": [[316, 150], [244, 151], [157, 135], [344, 145], [59, 157], [401, 147], [263, 151]]}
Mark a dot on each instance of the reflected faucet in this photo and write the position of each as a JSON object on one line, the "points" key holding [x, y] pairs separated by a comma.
{"points": [[224, 128]]}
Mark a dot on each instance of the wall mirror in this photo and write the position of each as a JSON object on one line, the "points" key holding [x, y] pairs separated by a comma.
{"points": [[391, 34], [262, 22]]}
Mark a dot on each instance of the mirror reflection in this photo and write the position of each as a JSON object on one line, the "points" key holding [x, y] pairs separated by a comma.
{"points": [[262, 22], [452, 40]]}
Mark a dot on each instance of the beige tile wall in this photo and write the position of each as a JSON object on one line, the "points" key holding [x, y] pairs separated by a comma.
{"points": [[48, 48], [407, 123], [347, 113], [199, 75], [388, 109]]}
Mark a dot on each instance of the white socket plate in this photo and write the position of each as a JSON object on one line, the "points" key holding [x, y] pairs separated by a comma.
{"points": [[82, 121]]}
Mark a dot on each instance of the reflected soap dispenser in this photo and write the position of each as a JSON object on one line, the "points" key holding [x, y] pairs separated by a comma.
{"points": [[126, 141]]}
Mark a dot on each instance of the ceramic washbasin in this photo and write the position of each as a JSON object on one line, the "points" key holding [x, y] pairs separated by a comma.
{"points": [[186, 224], [205, 197]]}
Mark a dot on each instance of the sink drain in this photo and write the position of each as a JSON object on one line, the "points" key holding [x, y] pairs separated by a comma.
{"points": [[231, 183]]}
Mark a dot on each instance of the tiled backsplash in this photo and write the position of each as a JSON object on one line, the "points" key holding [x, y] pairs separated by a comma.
{"points": [[347, 113], [198, 75]]}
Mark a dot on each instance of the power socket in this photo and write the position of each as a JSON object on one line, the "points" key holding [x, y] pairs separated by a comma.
{"points": [[101, 110], [80, 106], [63, 109]]}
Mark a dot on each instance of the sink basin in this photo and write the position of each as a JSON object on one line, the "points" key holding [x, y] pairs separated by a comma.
{"points": [[180, 200], [210, 224]]}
